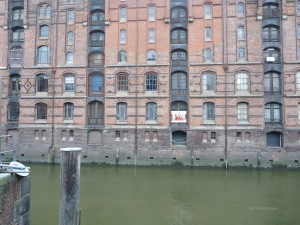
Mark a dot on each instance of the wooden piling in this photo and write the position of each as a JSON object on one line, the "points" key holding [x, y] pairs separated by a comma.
{"points": [[69, 186]]}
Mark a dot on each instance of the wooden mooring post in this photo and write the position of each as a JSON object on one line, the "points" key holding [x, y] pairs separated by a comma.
{"points": [[69, 186]]}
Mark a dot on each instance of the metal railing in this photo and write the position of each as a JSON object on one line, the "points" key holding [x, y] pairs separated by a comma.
{"points": [[95, 120]]}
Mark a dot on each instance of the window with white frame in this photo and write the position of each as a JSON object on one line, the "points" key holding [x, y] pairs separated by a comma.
{"points": [[207, 11], [241, 9], [71, 16], [151, 82], [241, 32], [69, 83], [242, 111], [298, 113], [207, 33], [151, 36], [70, 38], [121, 111], [208, 82], [123, 14], [272, 113], [151, 13], [68, 111], [151, 108], [151, 56], [242, 83], [70, 57], [209, 111], [122, 36], [122, 82], [16, 55], [17, 14], [242, 54], [298, 81]]}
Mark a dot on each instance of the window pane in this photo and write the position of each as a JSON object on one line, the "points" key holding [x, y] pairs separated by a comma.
{"points": [[69, 83], [151, 82], [42, 83], [97, 83], [151, 111], [121, 111], [242, 82], [151, 13], [70, 38], [122, 84]]}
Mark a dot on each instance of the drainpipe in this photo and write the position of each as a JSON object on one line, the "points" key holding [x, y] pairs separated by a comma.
{"points": [[136, 85], [1, 68], [225, 64]]}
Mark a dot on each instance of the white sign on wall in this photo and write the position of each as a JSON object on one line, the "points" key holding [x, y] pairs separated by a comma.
{"points": [[178, 116]]}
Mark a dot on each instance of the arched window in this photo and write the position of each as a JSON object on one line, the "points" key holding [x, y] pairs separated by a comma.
{"points": [[17, 14], [272, 82], [13, 111], [16, 54], [241, 9], [151, 111], [18, 34], [272, 55], [298, 81], [44, 31], [122, 111], [69, 83], [122, 82], [274, 139], [15, 84], [179, 58], [97, 17], [270, 11], [151, 82], [209, 111], [97, 39], [96, 83], [151, 56], [68, 111], [41, 111], [43, 55], [44, 11], [179, 15], [242, 111], [179, 138], [271, 33], [41, 82], [122, 56], [242, 83], [178, 36], [95, 113], [179, 84], [273, 113], [208, 82], [96, 59]]}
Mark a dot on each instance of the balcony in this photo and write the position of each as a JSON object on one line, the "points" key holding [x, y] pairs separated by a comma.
{"points": [[270, 13], [95, 121], [97, 43], [97, 23], [179, 92], [179, 62]]}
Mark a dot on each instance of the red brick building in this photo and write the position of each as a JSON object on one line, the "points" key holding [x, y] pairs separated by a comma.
{"points": [[153, 82]]}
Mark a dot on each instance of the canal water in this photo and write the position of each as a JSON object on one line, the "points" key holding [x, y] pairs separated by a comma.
{"points": [[171, 196]]}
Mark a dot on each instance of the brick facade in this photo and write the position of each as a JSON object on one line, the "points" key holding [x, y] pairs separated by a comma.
{"points": [[195, 42]]}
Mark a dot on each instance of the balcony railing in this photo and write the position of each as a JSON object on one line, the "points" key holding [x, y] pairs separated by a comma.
{"points": [[95, 120], [97, 23], [178, 41], [273, 120], [272, 39], [179, 20], [270, 13], [15, 62], [97, 43], [179, 92], [179, 62]]}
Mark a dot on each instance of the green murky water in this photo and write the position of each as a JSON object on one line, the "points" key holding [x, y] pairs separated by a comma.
{"points": [[171, 196]]}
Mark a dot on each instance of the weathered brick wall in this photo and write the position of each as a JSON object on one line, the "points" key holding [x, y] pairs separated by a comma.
{"points": [[14, 200]]}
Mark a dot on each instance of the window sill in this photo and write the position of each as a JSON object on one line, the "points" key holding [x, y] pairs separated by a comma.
{"points": [[151, 41], [121, 122], [122, 63], [68, 94], [41, 94], [122, 42], [151, 62], [209, 122], [151, 121], [40, 121], [243, 123], [68, 121]]}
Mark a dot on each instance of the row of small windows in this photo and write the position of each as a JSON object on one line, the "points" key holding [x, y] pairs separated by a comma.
{"points": [[178, 82]]}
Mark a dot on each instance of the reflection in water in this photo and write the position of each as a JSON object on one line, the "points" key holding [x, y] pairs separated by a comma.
{"points": [[171, 196]]}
